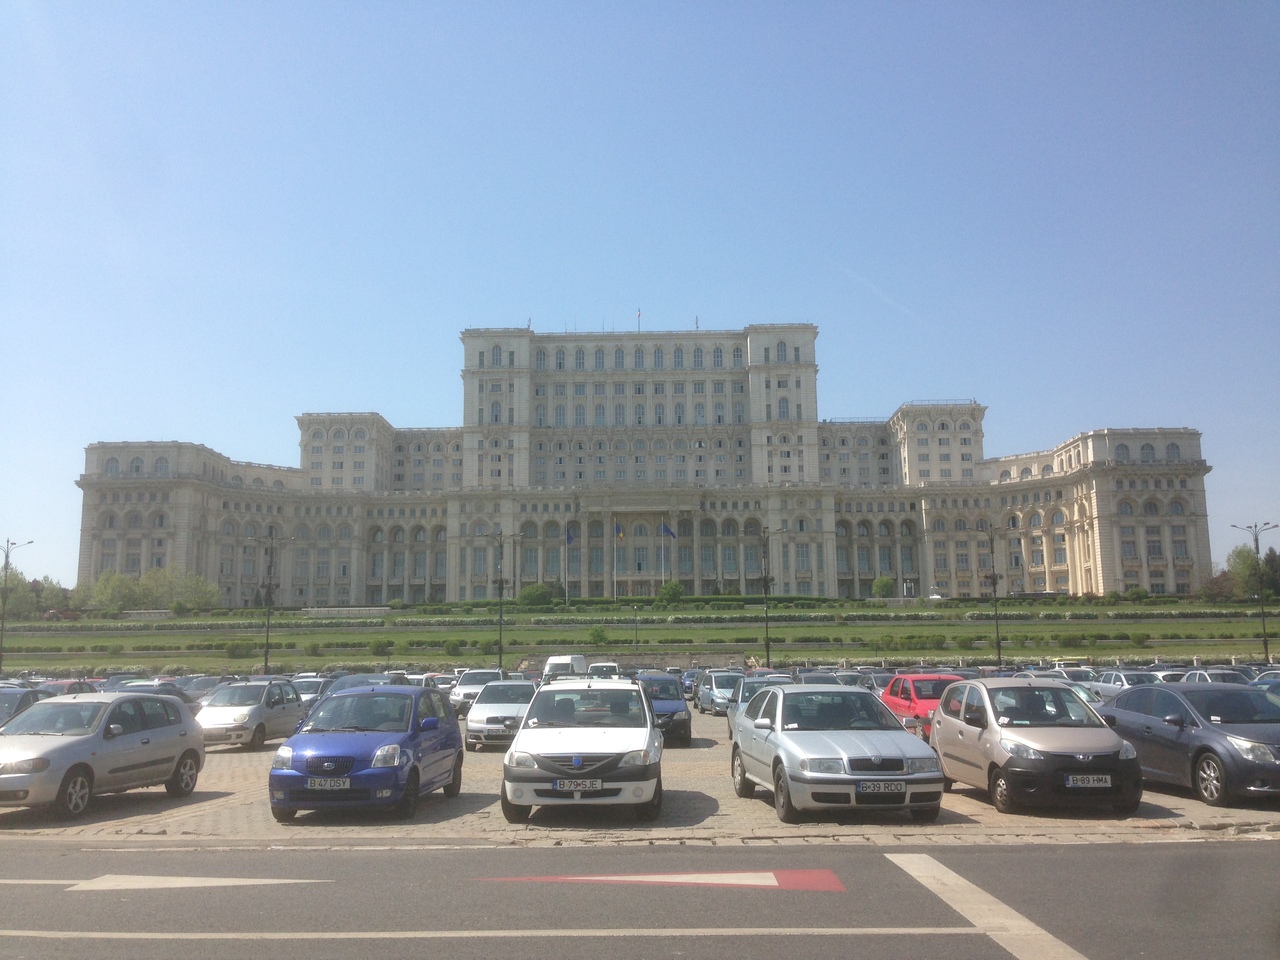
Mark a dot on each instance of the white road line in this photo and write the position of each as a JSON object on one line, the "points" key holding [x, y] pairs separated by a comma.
{"points": [[645, 932], [1000, 922]]}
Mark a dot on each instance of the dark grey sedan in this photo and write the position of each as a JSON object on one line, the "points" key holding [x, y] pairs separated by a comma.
{"points": [[1220, 739]]}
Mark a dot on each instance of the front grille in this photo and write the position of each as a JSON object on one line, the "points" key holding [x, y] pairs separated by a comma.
{"points": [[341, 766], [589, 761], [581, 795], [331, 796], [876, 765]]}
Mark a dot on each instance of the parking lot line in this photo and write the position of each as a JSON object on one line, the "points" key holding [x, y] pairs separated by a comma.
{"points": [[1000, 922], [648, 933]]}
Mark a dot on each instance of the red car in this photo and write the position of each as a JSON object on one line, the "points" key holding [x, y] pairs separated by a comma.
{"points": [[916, 695]]}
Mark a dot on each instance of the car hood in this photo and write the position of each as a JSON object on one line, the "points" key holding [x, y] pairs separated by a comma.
{"points": [[213, 716], [23, 746], [857, 743], [347, 743], [1065, 739], [1258, 732], [580, 739], [668, 706], [499, 709]]}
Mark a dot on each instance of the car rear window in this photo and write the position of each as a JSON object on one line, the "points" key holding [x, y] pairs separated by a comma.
{"points": [[663, 690], [506, 693]]}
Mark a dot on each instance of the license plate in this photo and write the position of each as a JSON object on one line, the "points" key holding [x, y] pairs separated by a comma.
{"points": [[575, 785], [881, 786], [1088, 780], [328, 783]]}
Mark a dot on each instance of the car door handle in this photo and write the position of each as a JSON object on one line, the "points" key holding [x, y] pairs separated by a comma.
{"points": [[1147, 730], [182, 733], [146, 740]]}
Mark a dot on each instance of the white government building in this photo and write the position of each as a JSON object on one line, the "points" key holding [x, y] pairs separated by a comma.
{"points": [[605, 464]]}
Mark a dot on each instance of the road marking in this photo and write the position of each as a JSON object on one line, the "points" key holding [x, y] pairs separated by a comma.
{"points": [[1000, 922], [810, 880], [648, 933], [116, 881]]}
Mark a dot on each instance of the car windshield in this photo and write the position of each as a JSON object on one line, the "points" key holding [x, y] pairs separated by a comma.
{"points": [[725, 681], [835, 710], [749, 688], [930, 689], [1080, 674], [1246, 705], [311, 685], [586, 708], [1137, 679], [663, 689], [1227, 676], [238, 696], [202, 685], [55, 719], [362, 712], [478, 678], [1041, 707], [506, 693]]}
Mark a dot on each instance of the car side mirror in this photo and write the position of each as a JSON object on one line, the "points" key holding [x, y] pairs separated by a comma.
{"points": [[1176, 720], [763, 723], [114, 730], [1109, 719], [429, 723], [976, 717], [512, 723], [911, 724]]}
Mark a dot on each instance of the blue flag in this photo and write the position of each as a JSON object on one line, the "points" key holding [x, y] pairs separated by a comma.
{"points": [[667, 531], [617, 530], [569, 537]]}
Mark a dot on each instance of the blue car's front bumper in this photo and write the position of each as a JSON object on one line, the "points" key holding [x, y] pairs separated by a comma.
{"points": [[370, 787]]}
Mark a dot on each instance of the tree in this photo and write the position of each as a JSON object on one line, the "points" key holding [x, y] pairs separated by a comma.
{"points": [[670, 592], [23, 602], [534, 595], [1218, 589], [1242, 565], [883, 587]]}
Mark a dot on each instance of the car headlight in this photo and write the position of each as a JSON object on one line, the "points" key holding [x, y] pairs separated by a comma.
{"points": [[1127, 751], [240, 718], [515, 759], [1020, 750], [923, 765], [389, 756], [638, 758], [283, 760], [821, 765], [33, 765], [1257, 752]]}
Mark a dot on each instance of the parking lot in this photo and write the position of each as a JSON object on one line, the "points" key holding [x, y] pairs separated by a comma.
{"points": [[229, 807]]}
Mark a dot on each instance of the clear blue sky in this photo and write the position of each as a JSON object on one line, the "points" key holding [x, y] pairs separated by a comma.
{"points": [[214, 216]]}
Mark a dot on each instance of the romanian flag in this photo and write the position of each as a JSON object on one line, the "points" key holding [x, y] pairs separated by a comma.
{"points": [[568, 537], [617, 530]]}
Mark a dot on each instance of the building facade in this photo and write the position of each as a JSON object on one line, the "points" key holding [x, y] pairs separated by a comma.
{"points": [[606, 464]]}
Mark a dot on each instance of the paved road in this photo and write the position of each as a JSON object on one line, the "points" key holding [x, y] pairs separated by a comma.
{"points": [[1107, 902], [230, 807]]}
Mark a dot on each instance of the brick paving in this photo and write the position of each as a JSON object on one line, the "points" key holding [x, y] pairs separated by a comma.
{"points": [[230, 809]]}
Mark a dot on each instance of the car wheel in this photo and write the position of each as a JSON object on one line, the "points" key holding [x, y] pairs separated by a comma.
{"points": [[258, 739], [786, 810], [1210, 784], [74, 794], [701, 708], [1001, 798], [514, 812], [283, 814], [648, 812], [1127, 808], [454, 786], [926, 814], [947, 784], [408, 804], [743, 787], [183, 781]]}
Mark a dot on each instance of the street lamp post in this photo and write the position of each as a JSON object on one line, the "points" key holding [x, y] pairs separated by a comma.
{"points": [[1255, 530], [272, 544], [9, 547], [500, 540], [764, 583], [994, 579], [635, 635]]}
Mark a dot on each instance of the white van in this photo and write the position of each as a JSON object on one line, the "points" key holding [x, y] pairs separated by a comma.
{"points": [[566, 663]]}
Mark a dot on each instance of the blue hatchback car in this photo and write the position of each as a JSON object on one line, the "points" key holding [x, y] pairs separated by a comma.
{"points": [[670, 714], [376, 746]]}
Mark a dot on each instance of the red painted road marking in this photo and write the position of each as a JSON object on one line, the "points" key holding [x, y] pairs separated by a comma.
{"points": [[809, 880]]}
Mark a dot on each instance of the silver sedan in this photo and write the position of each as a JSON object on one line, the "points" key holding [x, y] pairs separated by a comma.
{"points": [[832, 748]]}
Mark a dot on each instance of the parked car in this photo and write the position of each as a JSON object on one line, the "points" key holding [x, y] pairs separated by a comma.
{"points": [[251, 712], [309, 688], [1111, 682], [712, 692], [585, 742], [381, 746], [744, 690], [832, 748], [876, 682], [915, 697], [1222, 740], [168, 688], [499, 702], [1033, 742], [1215, 675], [687, 680], [1265, 678], [59, 688], [1168, 674], [64, 751], [13, 700], [469, 686], [670, 712]]}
